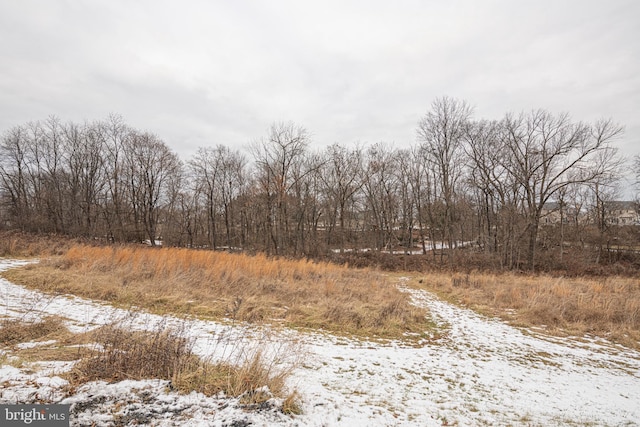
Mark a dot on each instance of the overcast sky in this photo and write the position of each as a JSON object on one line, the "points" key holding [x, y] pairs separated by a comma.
{"points": [[201, 73]]}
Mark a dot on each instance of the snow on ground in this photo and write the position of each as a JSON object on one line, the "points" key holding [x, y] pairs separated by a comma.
{"points": [[483, 372], [429, 246]]}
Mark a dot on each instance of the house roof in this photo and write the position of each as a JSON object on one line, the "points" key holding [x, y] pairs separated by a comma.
{"points": [[621, 205]]}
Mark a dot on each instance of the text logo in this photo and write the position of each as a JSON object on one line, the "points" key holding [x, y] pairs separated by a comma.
{"points": [[34, 415]]}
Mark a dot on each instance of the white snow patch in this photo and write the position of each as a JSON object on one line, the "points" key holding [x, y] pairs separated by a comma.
{"points": [[34, 344]]}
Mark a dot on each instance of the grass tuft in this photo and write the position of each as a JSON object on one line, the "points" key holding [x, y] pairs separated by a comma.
{"points": [[292, 404], [123, 354], [120, 353]]}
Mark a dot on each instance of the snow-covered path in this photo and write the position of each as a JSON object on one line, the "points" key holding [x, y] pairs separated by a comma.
{"points": [[482, 372]]}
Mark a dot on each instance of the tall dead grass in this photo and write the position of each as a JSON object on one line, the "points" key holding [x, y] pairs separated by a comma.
{"points": [[604, 306], [251, 369], [118, 351], [122, 353], [238, 287], [241, 368], [19, 244]]}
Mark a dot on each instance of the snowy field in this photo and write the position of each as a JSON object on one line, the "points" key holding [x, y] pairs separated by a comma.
{"points": [[482, 372]]}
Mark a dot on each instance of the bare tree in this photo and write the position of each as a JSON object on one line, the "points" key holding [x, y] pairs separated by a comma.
{"points": [[341, 178], [83, 179], [114, 205], [441, 135], [150, 166], [220, 177], [380, 189], [487, 176], [407, 197], [421, 184], [548, 153], [306, 210], [92, 177], [55, 194], [276, 158], [52, 179], [13, 171], [207, 166]]}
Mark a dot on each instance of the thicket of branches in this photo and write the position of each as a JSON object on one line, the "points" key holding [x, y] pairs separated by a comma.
{"points": [[464, 180]]}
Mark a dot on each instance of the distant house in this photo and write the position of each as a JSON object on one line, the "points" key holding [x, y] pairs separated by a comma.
{"points": [[622, 213], [615, 213], [551, 214]]}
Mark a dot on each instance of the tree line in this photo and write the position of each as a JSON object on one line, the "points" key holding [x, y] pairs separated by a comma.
{"points": [[463, 180]]}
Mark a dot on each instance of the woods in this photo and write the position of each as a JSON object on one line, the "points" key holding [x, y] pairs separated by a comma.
{"points": [[465, 184]]}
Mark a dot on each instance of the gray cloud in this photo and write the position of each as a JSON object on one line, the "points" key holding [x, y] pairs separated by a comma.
{"points": [[208, 72]]}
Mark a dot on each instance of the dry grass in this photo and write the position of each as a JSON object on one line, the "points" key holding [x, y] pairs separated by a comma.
{"points": [[17, 244], [292, 404], [607, 306], [15, 331], [165, 353], [255, 289], [254, 379], [124, 354], [57, 342], [116, 352]]}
